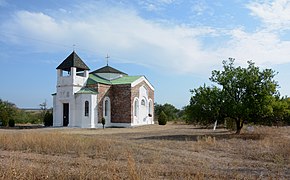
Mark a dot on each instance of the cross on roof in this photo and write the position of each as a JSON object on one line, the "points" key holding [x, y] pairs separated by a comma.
{"points": [[107, 57]]}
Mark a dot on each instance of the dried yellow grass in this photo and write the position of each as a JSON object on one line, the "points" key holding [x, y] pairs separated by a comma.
{"points": [[168, 152]]}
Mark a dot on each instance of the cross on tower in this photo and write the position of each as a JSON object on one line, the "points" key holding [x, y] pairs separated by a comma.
{"points": [[107, 57]]}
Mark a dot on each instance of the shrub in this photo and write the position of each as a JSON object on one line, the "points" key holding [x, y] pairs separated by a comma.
{"points": [[162, 118], [48, 119], [103, 122], [11, 123]]}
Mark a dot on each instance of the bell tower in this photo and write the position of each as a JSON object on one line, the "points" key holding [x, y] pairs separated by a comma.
{"points": [[72, 75]]}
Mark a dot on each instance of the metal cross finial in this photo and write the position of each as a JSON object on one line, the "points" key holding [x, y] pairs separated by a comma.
{"points": [[107, 57]]}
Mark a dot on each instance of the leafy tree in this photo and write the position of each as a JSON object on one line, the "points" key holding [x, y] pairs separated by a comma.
{"points": [[243, 94], [205, 105], [171, 111], [7, 111], [248, 93], [280, 113]]}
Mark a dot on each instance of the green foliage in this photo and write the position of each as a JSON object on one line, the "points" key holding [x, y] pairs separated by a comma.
{"points": [[11, 123], [230, 124], [48, 119], [7, 111], [162, 118], [246, 94], [23, 117], [280, 113], [171, 111], [205, 105], [4, 122]]}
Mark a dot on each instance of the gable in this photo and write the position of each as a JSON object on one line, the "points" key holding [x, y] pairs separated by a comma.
{"points": [[140, 80]]}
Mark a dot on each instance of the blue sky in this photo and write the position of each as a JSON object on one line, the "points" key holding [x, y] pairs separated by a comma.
{"points": [[174, 43]]}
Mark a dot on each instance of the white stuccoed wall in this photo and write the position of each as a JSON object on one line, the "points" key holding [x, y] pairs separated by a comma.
{"points": [[143, 110], [81, 120], [67, 86]]}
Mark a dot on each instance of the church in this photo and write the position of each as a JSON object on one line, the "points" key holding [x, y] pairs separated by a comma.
{"points": [[83, 98]]}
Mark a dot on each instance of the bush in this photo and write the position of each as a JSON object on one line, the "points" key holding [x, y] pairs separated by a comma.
{"points": [[103, 122], [162, 118], [48, 119], [11, 123]]}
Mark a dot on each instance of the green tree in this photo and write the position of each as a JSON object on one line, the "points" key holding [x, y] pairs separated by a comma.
{"points": [[280, 112], [171, 111], [248, 93], [7, 111], [205, 105]]}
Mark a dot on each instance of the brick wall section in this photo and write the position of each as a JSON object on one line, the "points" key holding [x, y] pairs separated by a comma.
{"points": [[122, 100], [135, 93], [121, 104], [104, 90]]}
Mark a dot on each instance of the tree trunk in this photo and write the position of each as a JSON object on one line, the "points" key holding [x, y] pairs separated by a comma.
{"points": [[239, 124]]}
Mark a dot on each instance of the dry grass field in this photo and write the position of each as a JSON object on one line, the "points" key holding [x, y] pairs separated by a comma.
{"points": [[149, 152]]}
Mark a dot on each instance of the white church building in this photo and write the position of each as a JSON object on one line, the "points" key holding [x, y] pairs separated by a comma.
{"points": [[83, 98]]}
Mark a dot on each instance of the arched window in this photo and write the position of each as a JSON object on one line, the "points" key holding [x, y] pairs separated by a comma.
{"points": [[106, 107], [150, 108], [136, 107], [143, 102], [87, 108]]}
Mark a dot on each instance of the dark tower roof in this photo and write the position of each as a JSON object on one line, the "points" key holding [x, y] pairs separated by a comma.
{"points": [[73, 60], [108, 69]]}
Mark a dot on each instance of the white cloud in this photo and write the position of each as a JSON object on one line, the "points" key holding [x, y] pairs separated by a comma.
{"points": [[275, 14], [263, 47], [156, 5], [99, 29], [120, 32], [199, 7]]}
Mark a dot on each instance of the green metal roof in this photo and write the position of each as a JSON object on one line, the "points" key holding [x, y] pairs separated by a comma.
{"points": [[87, 91], [125, 80], [93, 79]]}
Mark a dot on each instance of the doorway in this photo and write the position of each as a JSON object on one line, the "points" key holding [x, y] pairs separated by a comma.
{"points": [[65, 114]]}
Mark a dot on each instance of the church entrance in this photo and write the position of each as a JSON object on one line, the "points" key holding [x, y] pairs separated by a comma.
{"points": [[65, 114]]}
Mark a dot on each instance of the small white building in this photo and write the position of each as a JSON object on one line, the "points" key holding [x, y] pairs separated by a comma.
{"points": [[82, 99]]}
